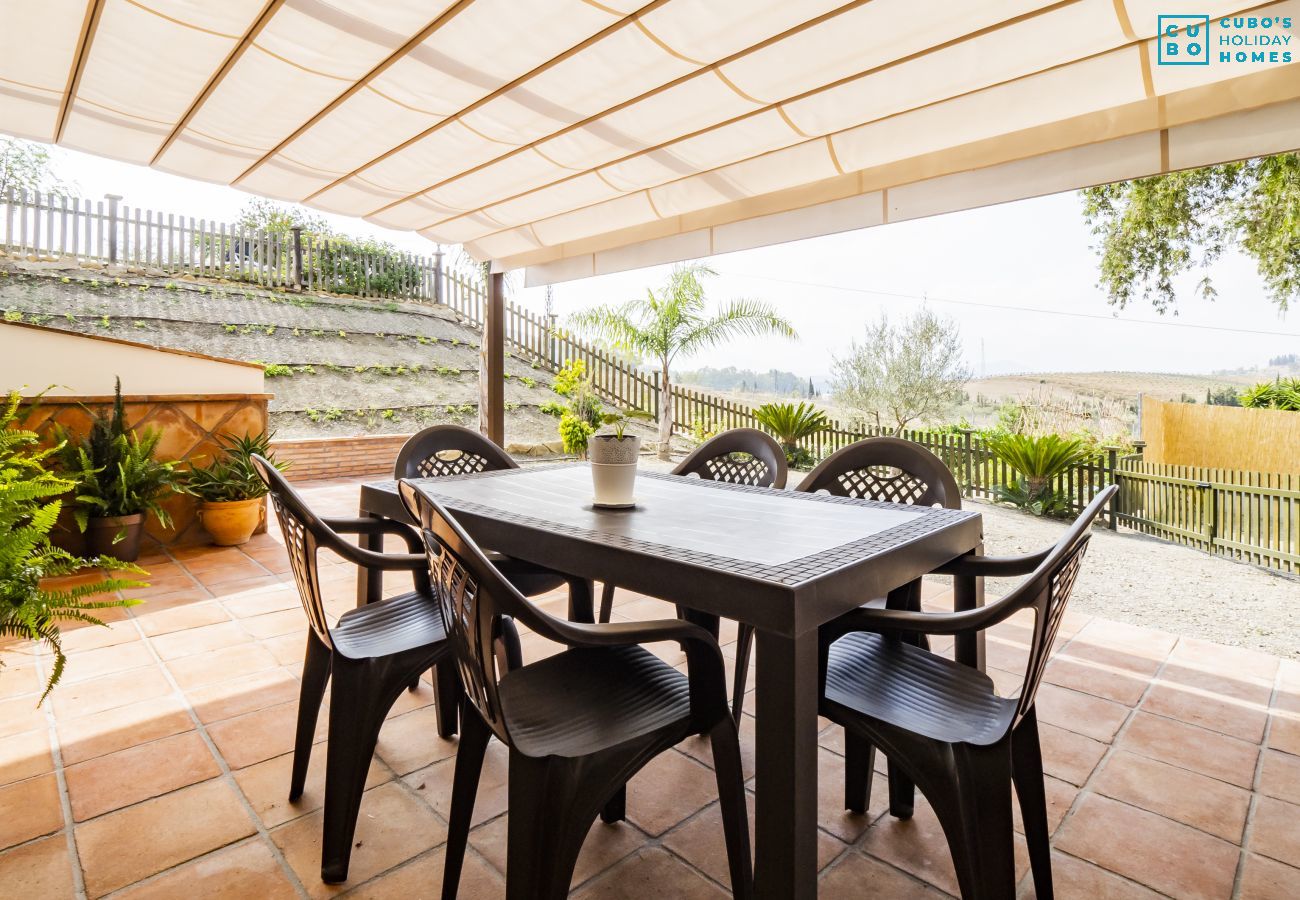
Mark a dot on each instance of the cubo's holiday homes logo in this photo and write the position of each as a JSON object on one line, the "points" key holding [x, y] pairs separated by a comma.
{"points": [[1193, 40]]}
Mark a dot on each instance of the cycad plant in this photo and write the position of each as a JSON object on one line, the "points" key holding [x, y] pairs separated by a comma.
{"points": [[1038, 460], [790, 423], [674, 320], [29, 507]]}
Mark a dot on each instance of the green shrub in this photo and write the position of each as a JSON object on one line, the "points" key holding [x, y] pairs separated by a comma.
{"points": [[275, 370], [1284, 394], [1038, 461], [552, 408], [576, 433], [29, 507]]}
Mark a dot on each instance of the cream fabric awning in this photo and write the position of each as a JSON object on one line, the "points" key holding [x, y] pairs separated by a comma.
{"points": [[583, 136]]}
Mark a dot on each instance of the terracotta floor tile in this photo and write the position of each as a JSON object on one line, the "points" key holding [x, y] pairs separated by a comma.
{"points": [[671, 788], [701, 842], [410, 741], [1280, 776], [29, 809], [1196, 800], [286, 621], [1143, 662], [1075, 878], [162, 585], [288, 649], [1225, 715], [859, 876], [128, 776], [25, 756], [1082, 713], [219, 665], [262, 601], [433, 785], [100, 694], [199, 640], [651, 873], [18, 678], [1069, 756], [604, 846], [1235, 662], [1261, 879], [409, 701], [242, 871], [133, 843], [1144, 847], [1274, 832], [266, 786], [38, 870], [422, 877], [125, 726], [88, 637], [1208, 752], [191, 615], [244, 582], [1284, 732], [240, 695], [1245, 688], [110, 660], [1137, 641], [1119, 685], [831, 814], [260, 735], [701, 749], [393, 827], [19, 715], [1060, 797], [157, 603]]}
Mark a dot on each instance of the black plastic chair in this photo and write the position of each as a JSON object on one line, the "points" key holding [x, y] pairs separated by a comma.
{"points": [[578, 724], [942, 723], [442, 450], [372, 653]]}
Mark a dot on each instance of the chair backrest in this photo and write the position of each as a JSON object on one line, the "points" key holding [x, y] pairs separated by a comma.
{"points": [[475, 600], [739, 456], [449, 450], [1047, 591], [301, 528], [885, 468]]}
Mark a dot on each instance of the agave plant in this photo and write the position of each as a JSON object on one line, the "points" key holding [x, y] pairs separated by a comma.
{"points": [[232, 477], [790, 423], [29, 507], [1039, 461]]}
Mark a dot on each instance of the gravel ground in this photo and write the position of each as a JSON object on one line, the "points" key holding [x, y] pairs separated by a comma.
{"points": [[1145, 581]]}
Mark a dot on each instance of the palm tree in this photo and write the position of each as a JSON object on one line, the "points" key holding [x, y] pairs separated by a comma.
{"points": [[674, 320]]}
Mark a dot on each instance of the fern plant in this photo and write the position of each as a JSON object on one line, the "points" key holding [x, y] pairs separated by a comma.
{"points": [[1039, 461], [113, 468], [29, 507]]}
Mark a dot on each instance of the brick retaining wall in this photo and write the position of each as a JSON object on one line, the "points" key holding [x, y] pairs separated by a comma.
{"points": [[342, 457]]}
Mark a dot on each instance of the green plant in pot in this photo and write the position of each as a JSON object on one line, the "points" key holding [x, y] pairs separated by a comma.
{"points": [[229, 490], [117, 481], [29, 505], [790, 423], [1038, 461], [614, 459]]}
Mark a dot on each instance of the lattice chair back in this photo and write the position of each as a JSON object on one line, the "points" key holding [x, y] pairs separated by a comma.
{"points": [[1047, 592], [449, 450], [739, 456], [300, 527], [886, 468], [477, 604]]}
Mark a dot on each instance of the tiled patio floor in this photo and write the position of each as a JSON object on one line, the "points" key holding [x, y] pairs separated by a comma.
{"points": [[160, 767]]}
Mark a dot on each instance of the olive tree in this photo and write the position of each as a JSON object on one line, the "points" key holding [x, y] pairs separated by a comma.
{"points": [[902, 372]]}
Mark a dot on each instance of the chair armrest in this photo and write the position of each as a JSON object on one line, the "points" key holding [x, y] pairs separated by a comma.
{"points": [[371, 526], [993, 566], [415, 563], [900, 620]]}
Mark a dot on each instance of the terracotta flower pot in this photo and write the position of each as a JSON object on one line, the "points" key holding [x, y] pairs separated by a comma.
{"points": [[231, 522], [613, 469], [116, 536]]}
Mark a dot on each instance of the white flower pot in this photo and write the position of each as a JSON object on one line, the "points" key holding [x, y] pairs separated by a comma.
{"points": [[613, 469]]}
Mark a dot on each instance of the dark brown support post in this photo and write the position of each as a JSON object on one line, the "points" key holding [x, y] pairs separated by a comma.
{"points": [[968, 593], [492, 362], [297, 257]]}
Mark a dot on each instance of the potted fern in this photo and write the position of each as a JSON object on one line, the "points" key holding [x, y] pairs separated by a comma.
{"points": [[614, 459], [29, 505], [117, 481], [230, 491]]}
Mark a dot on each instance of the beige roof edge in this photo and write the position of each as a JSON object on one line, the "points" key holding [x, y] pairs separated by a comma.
{"points": [[1255, 115]]}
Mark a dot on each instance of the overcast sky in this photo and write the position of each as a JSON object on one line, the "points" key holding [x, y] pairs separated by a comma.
{"points": [[1020, 279]]}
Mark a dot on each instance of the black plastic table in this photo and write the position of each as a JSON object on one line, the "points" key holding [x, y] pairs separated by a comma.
{"points": [[781, 561]]}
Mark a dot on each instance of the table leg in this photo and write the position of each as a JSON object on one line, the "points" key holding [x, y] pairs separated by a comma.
{"points": [[968, 593], [785, 850], [370, 582]]}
